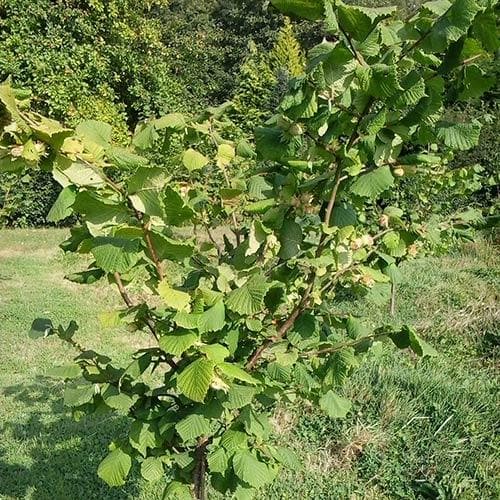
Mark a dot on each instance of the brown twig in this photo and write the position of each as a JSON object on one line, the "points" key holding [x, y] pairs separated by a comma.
{"points": [[285, 326], [123, 292], [152, 249], [333, 196], [148, 321]]}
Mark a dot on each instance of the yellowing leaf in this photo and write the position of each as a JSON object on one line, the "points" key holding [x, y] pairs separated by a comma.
{"points": [[193, 160], [174, 299]]}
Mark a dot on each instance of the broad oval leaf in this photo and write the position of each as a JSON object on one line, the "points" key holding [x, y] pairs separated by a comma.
{"points": [[249, 298], [334, 406], [152, 469], [195, 379], [115, 468], [251, 470]]}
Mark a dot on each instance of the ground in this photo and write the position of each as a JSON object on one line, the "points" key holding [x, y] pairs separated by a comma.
{"points": [[419, 428]]}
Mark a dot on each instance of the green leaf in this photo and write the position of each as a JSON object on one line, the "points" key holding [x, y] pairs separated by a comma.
{"points": [[142, 436], [124, 158], [225, 155], [384, 81], [152, 469], [7, 98], [77, 396], [174, 299], [255, 424], [41, 327], [174, 121], [86, 277], [115, 254], [419, 346], [193, 426], [373, 183], [271, 144], [48, 130], [62, 206], [115, 467], [145, 135], [232, 370], [94, 132], [167, 248], [145, 178], [218, 461], [407, 337], [195, 379], [261, 206], [177, 491], [99, 210], [148, 202], [461, 136], [244, 149], [9, 164], [193, 160], [344, 215], [259, 188], [485, 29], [65, 371], [213, 319], [251, 470], [233, 441], [78, 174], [360, 21], [290, 238], [215, 352], [305, 9], [176, 211], [178, 342], [248, 299], [239, 396], [334, 406], [414, 90], [339, 366], [286, 457], [475, 83], [118, 400]]}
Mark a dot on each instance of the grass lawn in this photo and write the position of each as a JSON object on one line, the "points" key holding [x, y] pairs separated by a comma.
{"points": [[419, 428]]}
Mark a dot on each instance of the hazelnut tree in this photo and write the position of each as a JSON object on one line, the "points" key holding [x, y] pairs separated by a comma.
{"points": [[242, 250]]}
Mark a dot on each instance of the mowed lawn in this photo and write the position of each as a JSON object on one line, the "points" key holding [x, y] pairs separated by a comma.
{"points": [[419, 428]]}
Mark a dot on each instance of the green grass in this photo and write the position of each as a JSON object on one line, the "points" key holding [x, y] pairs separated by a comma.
{"points": [[419, 428]]}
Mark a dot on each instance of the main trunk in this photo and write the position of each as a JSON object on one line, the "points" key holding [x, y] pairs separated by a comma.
{"points": [[199, 478]]}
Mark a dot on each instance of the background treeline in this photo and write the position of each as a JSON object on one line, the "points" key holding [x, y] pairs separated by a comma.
{"points": [[121, 61]]}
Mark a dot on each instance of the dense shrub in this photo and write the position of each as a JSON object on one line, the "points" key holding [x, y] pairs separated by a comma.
{"points": [[25, 201]]}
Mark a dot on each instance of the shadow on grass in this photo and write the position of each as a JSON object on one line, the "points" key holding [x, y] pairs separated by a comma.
{"points": [[45, 454]]}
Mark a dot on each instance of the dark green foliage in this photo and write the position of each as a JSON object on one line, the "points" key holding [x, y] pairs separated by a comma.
{"points": [[209, 41], [25, 202], [79, 57], [486, 154]]}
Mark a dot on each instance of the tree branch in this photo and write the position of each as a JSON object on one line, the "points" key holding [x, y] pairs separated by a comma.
{"points": [[148, 321], [341, 346], [152, 250], [199, 472], [285, 326], [302, 305], [355, 53]]}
